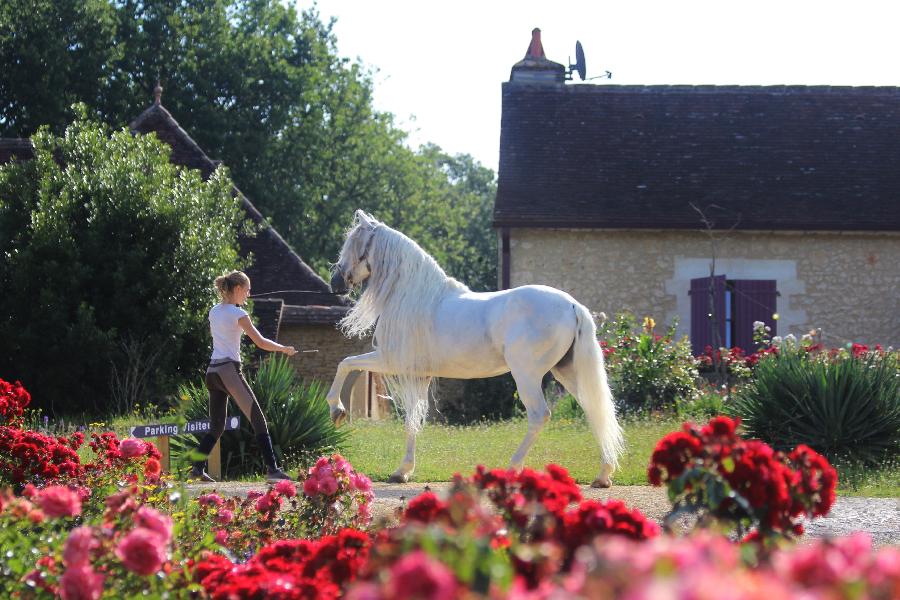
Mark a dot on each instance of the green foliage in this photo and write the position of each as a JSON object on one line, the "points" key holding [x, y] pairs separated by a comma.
{"points": [[488, 399], [646, 370], [297, 414], [108, 254], [844, 407], [261, 87], [54, 53], [705, 404]]}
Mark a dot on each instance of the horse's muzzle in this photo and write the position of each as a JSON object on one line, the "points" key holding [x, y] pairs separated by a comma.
{"points": [[338, 284]]}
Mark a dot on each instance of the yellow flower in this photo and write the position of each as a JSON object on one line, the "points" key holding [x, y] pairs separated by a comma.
{"points": [[649, 323]]}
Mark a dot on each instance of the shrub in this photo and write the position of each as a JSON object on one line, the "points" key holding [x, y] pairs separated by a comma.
{"points": [[742, 485], [107, 247], [845, 404], [297, 413], [488, 399], [647, 370], [707, 403]]}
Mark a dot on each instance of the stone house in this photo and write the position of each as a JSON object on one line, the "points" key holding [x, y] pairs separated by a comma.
{"points": [[601, 190], [295, 306]]}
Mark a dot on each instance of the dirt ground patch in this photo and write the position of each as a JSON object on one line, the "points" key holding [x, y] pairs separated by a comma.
{"points": [[879, 517]]}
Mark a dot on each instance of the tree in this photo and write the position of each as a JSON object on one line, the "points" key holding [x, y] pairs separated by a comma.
{"points": [[261, 87], [109, 252], [54, 53]]}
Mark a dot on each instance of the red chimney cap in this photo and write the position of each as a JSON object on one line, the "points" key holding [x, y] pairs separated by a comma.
{"points": [[535, 48]]}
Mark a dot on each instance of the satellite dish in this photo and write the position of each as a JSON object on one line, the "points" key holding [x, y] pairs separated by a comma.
{"points": [[579, 65]]}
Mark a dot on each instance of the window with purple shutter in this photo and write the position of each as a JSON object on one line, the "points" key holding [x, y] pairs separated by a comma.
{"points": [[754, 300], [706, 308]]}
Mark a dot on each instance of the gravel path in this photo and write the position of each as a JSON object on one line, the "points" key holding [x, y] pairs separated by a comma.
{"points": [[880, 517]]}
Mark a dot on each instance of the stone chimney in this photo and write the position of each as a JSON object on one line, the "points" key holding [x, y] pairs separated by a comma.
{"points": [[535, 68]]}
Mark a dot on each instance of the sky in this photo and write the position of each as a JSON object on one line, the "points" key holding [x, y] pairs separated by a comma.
{"points": [[440, 65]]}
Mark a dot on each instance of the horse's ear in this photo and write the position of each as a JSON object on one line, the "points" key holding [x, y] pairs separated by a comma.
{"points": [[364, 217]]}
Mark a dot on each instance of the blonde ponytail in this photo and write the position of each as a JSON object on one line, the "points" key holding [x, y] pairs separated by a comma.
{"points": [[225, 284]]}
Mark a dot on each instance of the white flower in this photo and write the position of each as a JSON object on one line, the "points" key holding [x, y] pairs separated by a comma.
{"points": [[777, 341], [790, 340], [758, 326]]}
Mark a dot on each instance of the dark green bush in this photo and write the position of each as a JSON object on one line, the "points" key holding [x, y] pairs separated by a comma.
{"points": [[297, 413], [489, 399], [109, 253], [844, 407]]}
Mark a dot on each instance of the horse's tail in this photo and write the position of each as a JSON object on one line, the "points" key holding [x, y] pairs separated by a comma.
{"points": [[593, 393]]}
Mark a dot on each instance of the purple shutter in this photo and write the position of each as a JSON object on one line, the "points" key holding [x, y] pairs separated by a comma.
{"points": [[702, 312], [754, 300]]}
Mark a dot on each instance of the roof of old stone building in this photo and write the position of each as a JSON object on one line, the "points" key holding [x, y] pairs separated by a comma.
{"points": [[275, 267], [763, 158]]}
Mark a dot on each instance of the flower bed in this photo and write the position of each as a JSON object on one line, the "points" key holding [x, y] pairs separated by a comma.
{"points": [[120, 529]]}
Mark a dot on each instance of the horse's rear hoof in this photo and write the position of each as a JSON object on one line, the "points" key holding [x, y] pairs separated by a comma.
{"points": [[398, 478], [601, 482]]}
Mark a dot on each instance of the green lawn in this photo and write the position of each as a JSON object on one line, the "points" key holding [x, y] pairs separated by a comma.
{"points": [[376, 448]]}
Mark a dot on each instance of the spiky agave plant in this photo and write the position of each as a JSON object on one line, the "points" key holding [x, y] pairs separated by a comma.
{"points": [[296, 411], [845, 408]]}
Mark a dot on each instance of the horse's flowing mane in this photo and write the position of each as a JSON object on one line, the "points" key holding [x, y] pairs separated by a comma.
{"points": [[401, 296]]}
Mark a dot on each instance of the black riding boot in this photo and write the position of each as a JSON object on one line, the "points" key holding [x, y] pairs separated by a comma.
{"points": [[273, 473], [198, 471]]}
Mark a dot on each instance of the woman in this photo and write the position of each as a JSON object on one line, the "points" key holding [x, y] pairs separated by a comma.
{"points": [[227, 322]]}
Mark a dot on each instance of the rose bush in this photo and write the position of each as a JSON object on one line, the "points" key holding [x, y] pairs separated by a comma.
{"points": [[742, 485], [647, 370], [122, 529]]}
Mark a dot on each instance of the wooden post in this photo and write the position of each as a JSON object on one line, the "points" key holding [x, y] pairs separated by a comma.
{"points": [[214, 462], [162, 444]]}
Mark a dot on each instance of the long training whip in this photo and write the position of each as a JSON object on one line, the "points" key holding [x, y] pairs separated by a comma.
{"points": [[293, 292]]}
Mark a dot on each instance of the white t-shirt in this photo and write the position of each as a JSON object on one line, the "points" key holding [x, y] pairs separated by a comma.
{"points": [[226, 331]]}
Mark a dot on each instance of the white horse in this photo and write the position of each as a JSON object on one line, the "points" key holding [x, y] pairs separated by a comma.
{"points": [[430, 325]]}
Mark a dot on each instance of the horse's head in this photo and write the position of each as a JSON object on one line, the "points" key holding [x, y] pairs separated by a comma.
{"points": [[353, 266]]}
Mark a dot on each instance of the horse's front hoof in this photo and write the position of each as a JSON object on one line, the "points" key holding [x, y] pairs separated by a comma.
{"points": [[601, 482], [398, 478], [338, 415]]}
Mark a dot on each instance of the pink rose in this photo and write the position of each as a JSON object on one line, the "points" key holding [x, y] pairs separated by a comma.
{"points": [[311, 487], [59, 501], [341, 464], [78, 547], [254, 494], [142, 551], [361, 482], [155, 521], [286, 488], [418, 576], [36, 516], [328, 485], [132, 447], [29, 491], [266, 502], [322, 462], [80, 583], [210, 500], [364, 513], [221, 537], [224, 517]]}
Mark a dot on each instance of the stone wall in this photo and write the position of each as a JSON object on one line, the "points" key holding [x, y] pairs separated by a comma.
{"points": [[332, 348], [848, 284]]}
